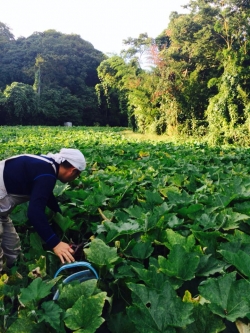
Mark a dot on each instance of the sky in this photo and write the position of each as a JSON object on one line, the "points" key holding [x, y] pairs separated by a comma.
{"points": [[103, 23]]}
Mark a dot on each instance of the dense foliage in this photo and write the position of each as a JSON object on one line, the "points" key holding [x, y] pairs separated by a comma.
{"points": [[49, 78], [199, 80], [166, 226]]}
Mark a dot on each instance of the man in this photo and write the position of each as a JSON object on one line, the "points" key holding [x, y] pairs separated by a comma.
{"points": [[32, 178]]}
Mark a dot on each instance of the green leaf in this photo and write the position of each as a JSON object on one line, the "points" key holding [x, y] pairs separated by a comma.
{"points": [[173, 221], [36, 242], [50, 314], [243, 207], [188, 211], [208, 240], [233, 219], [142, 250], [37, 290], [60, 188], [209, 266], [64, 222], [180, 263], [240, 260], [228, 297], [204, 320], [238, 236], [155, 312], [182, 198], [135, 211], [101, 254], [152, 277], [23, 325], [121, 228], [170, 238], [153, 198], [69, 293], [85, 315], [121, 323]]}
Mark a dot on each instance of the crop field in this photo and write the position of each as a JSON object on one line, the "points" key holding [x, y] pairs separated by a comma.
{"points": [[166, 226]]}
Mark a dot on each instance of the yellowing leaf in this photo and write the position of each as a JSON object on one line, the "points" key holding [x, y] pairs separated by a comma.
{"points": [[143, 154]]}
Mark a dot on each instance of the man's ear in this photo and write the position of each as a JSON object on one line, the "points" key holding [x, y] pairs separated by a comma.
{"points": [[75, 172]]}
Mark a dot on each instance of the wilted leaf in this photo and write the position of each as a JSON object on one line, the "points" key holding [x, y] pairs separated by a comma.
{"points": [[38, 269]]}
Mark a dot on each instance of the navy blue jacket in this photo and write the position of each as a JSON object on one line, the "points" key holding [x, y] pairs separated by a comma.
{"points": [[25, 175]]}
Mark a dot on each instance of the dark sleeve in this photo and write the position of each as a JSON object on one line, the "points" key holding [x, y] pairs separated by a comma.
{"points": [[41, 192], [53, 204]]}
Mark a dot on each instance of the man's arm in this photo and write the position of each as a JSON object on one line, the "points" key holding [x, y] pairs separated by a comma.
{"points": [[41, 192]]}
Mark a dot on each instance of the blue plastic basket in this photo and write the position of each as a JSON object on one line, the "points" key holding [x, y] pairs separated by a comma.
{"points": [[84, 275]]}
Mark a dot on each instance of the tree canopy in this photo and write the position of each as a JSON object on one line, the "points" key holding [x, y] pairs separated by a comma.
{"points": [[61, 72]]}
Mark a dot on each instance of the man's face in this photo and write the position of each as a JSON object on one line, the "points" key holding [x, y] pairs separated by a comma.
{"points": [[69, 174]]}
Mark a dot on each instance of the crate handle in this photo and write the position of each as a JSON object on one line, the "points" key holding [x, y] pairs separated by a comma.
{"points": [[77, 264]]}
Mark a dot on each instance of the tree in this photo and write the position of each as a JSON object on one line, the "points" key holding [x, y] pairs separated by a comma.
{"points": [[19, 103]]}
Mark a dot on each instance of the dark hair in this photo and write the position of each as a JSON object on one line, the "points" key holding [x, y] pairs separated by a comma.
{"points": [[67, 165]]}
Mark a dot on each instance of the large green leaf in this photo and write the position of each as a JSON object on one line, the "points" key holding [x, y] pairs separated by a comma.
{"points": [[121, 323], [228, 298], [64, 222], [152, 199], [153, 311], [152, 277], [101, 254], [142, 250], [180, 263], [179, 198], [240, 260], [121, 228], [188, 211], [233, 219], [208, 240], [209, 265], [204, 320], [69, 293], [24, 325], [37, 290], [50, 313], [170, 238], [85, 315]]}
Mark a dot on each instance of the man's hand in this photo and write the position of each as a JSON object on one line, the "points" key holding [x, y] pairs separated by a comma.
{"points": [[63, 251]]}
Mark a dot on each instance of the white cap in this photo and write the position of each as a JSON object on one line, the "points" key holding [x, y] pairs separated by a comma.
{"points": [[73, 156]]}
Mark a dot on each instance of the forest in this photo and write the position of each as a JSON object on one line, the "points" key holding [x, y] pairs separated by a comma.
{"points": [[197, 83]]}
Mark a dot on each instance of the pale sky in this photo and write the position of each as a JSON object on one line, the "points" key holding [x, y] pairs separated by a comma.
{"points": [[103, 23]]}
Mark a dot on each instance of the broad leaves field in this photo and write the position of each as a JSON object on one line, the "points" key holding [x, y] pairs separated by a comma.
{"points": [[166, 226]]}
